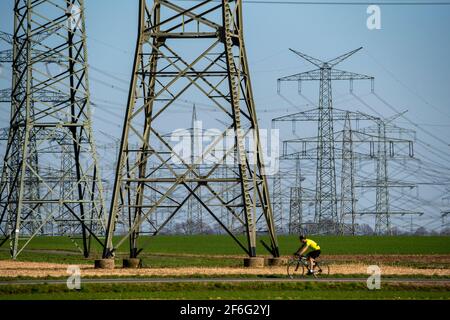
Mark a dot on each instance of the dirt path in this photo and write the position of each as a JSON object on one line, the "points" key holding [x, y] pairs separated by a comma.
{"points": [[9, 268]]}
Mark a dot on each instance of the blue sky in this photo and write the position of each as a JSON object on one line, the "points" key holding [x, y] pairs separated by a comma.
{"points": [[408, 58]]}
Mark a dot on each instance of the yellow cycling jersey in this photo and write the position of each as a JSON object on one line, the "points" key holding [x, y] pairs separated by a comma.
{"points": [[312, 244]]}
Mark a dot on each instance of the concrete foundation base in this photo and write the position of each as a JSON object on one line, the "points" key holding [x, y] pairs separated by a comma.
{"points": [[104, 264], [254, 262], [274, 262], [132, 263]]}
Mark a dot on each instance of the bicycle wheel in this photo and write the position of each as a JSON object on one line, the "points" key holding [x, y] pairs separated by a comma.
{"points": [[295, 269], [321, 269]]}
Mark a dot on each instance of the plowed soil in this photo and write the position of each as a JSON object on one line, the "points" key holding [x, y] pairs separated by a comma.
{"points": [[9, 268]]}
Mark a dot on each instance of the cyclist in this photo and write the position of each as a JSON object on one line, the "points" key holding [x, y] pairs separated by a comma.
{"points": [[312, 255]]}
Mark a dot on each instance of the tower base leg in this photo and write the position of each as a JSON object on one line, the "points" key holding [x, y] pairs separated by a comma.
{"points": [[273, 262], [104, 264], [132, 263], [254, 262]]}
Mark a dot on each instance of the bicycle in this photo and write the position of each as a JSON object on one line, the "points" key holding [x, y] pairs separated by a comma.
{"points": [[299, 266]]}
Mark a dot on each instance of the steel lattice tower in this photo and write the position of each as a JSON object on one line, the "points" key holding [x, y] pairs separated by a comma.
{"points": [[194, 219], [277, 202], [326, 212], [384, 130], [32, 186], [348, 199], [49, 31], [215, 69], [382, 219], [296, 202]]}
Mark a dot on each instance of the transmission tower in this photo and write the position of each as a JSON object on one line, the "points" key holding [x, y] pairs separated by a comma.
{"points": [[31, 187], [296, 201], [277, 202], [194, 214], [384, 129], [382, 219], [215, 70], [348, 199], [47, 31], [326, 213]]}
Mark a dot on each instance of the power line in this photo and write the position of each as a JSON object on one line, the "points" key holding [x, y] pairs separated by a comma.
{"points": [[390, 106], [433, 150], [412, 91], [429, 124]]}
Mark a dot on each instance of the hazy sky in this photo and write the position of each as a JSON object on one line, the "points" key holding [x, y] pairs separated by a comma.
{"points": [[408, 56]]}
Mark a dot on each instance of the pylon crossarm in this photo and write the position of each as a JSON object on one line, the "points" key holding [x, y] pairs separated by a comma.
{"points": [[341, 58], [312, 75], [318, 63], [335, 74], [189, 12], [347, 75], [313, 115]]}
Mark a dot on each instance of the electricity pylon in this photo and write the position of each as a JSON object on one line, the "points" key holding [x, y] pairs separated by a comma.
{"points": [[32, 185], [215, 70], [49, 31], [385, 129], [326, 212], [194, 219], [382, 219], [348, 199], [296, 201], [277, 202]]}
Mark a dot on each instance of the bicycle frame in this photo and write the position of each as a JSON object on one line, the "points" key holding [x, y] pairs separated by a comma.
{"points": [[303, 263]]}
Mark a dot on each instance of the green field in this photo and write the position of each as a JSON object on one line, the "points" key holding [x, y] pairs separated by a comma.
{"points": [[288, 244], [232, 291], [224, 245]]}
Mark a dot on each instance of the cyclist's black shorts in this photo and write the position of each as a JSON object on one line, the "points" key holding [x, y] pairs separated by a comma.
{"points": [[314, 254]]}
